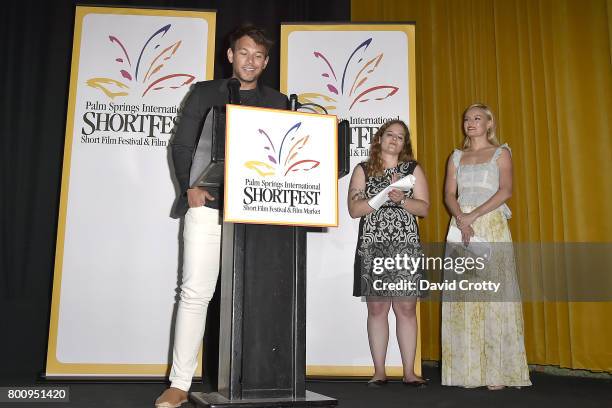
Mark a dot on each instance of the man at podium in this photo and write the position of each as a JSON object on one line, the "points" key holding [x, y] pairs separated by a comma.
{"points": [[248, 54]]}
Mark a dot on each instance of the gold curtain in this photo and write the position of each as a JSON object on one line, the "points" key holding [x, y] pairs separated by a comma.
{"points": [[544, 66]]}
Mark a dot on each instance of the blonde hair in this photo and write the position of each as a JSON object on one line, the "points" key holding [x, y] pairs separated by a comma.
{"points": [[490, 131], [375, 167]]}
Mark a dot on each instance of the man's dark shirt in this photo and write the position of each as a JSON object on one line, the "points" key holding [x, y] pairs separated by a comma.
{"points": [[203, 96]]}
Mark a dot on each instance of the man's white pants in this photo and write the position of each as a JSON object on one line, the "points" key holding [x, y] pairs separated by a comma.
{"points": [[201, 253]]}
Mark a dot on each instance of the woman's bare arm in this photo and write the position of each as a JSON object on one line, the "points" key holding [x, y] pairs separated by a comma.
{"points": [[356, 200]]}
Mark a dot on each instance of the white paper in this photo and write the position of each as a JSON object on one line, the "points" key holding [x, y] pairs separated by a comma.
{"points": [[404, 184]]}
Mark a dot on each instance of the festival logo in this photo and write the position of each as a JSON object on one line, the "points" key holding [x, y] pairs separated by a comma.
{"points": [[283, 160], [142, 75], [344, 91]]}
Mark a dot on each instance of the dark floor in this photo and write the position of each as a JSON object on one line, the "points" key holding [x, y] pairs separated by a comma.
{"points": [[547, 391]]}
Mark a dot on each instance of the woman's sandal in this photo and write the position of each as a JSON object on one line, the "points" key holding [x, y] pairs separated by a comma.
{"points": [[495, 387], [421, 382], [377, 383]]}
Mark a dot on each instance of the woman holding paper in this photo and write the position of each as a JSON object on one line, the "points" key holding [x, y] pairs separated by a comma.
{"points": [[482, 341], [388, 238]]}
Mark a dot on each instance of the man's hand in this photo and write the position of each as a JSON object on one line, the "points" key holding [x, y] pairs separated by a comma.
{"points": [[197, 197]]}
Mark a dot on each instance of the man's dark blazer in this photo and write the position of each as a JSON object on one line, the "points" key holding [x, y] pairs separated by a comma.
{"points": [[202, 97]]}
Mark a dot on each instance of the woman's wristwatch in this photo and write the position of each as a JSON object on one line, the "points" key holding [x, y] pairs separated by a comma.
{"points": [[403, 201]]}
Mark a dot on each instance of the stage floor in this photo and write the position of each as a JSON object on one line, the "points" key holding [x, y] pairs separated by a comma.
{"points": [[547, 391]]}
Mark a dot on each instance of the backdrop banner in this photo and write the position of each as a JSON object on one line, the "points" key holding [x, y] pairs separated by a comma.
{"points": [[117, 259], [364, 73]]}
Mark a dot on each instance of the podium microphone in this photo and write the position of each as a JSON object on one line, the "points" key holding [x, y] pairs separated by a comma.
{"points": [[233, 85], [293, 102], [294, 105]]}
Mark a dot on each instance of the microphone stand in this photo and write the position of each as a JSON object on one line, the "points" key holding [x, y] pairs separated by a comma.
{"points": [[294, 105]]}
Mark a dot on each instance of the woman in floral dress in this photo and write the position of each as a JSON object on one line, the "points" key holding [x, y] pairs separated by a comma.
{"points": [[482, 341]]}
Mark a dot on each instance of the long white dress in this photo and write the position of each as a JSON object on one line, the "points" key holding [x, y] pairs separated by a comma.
{"points": [[483, 342]]}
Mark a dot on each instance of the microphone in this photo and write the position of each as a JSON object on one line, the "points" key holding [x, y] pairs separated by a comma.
{"points": [[294, 105], [293, 102], [233, 85]]}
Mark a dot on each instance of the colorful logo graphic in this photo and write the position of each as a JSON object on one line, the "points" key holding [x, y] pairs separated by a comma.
{"points": [[282, 162], [142, 77], [350, 89]]}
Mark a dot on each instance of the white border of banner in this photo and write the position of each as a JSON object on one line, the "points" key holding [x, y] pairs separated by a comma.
{"points": [[409, 29], [55, 368]]}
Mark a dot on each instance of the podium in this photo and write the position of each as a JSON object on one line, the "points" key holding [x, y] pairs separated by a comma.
{"points": [[262, 346]]}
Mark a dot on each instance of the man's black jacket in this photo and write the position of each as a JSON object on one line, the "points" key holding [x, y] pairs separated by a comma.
{"points": [[202, 97]]}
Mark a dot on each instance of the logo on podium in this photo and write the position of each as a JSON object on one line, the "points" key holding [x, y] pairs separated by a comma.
{"points": [[280, 167]]}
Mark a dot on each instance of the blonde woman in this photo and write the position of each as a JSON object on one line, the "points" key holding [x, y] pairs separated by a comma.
{"points": [[482, 342]]}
